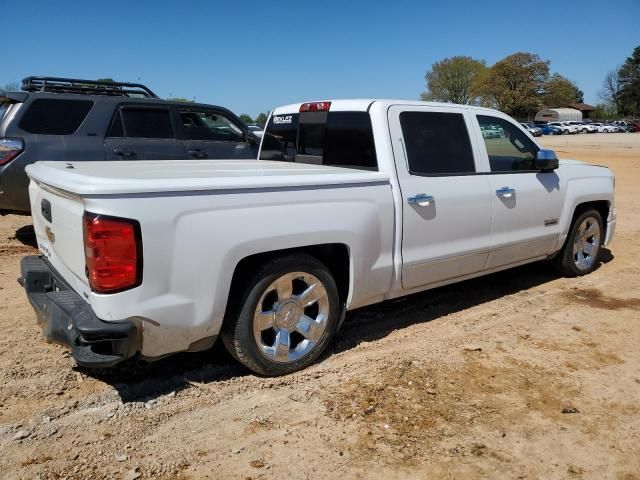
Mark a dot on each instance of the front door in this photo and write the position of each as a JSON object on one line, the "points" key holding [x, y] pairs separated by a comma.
{"points": [[526, 203], [446, 208], [213, 134]]}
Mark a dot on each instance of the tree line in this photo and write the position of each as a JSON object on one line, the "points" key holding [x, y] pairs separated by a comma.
{"points": [[261, 119], [621, 87], [519, 84]]}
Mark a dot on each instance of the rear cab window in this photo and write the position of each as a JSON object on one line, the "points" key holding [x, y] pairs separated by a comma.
{"points": [[52, 116], [437, 143], [142, 122], [339, 139]]}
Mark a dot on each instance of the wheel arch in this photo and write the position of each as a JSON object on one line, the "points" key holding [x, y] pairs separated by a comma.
{"points": [[600, 205], [335, 256]]}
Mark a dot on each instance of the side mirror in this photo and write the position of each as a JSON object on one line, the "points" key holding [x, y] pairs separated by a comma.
{"points": [[251, 137], [546, 160]]}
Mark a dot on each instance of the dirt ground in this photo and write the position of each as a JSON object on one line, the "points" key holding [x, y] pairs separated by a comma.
{"points": [[521, 374]]}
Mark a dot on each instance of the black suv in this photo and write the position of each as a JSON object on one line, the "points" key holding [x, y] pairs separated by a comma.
{"points": [[77, 120]]}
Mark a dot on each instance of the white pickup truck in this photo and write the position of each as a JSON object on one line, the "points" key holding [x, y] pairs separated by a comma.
{"points": [[351, 202]]}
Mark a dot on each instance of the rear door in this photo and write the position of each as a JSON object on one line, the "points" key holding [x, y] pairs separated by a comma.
{"points": [[525, 202], [446, 209], [211, 133], [143, 132]]}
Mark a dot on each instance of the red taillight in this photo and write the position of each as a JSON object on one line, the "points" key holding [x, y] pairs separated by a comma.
{"points": [[113, 253], [10, 148], [315, 107]]}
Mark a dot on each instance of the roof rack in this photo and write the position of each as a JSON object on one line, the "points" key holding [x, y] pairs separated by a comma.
{"points": [[89, 87]]}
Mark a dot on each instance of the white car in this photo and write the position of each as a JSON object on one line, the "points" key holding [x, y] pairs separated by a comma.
{"points": [[351, 202], [564, 127], [603, 128], [583, 127]]}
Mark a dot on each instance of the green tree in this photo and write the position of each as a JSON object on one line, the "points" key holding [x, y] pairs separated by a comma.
{"points": [[451, 79], [559, 91], [605, 111], [180, 99], [106, 80], [261, 119], [629, 76], [515, 84], [246, 118]]}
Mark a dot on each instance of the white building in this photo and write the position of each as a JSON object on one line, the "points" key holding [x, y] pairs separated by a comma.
{"points": [[559, 115]]}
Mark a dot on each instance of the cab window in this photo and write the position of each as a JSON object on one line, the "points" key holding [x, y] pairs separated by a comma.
{"points": [[509, 148], [437, 143]]}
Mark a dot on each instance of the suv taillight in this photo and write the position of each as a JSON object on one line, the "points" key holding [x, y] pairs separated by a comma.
{"points": [[10, 148], [113, 253]]}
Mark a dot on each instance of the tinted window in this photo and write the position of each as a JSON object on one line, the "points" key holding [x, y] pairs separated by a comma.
{"points": [[340, 139], [437, 143], [209, 125], [147, 123], [3, 108], [311, 131], [508, 147], [349, 141], [279, 140], [116, 129], [50, 116]]}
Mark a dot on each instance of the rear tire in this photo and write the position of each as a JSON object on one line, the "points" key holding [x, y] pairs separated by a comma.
{"points": [[580, 252], [285, 317]]}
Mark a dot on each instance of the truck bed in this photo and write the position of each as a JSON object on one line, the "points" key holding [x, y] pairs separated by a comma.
{"points": [[149, 176]]}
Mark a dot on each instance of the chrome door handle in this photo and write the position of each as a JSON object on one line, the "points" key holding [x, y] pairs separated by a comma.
{"points": [[123, 152], [506, 192], [421, 199]]}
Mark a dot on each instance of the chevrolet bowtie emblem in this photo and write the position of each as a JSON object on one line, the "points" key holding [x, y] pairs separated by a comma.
{"points": [[50, 235]]}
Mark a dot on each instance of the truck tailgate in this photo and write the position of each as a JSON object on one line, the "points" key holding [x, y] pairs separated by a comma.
{"points": [[57, 221]]}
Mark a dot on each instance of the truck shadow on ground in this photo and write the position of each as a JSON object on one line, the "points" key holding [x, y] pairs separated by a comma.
{"points": [[27, 236], [140, 381]]}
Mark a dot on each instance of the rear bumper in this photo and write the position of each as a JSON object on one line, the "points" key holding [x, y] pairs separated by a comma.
{"points": [[69, 320]]}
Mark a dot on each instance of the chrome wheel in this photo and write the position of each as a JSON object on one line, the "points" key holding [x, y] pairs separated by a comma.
{"points": [[586, 244], [291, 317]]}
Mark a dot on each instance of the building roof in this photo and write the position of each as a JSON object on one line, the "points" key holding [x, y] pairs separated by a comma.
{"points": [[583, 107]]}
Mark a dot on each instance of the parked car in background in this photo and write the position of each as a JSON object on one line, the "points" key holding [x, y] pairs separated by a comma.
{"points": [[532, 129], [583, 127], [352, 202], [82, 120], [604, 128], [549, 130], [490, 131], [564, 127]]}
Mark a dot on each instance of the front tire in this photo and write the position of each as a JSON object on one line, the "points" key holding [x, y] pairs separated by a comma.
{"points": [[579, 255], [285, 318]]}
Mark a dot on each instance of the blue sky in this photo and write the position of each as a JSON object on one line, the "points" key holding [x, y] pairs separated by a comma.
{"points": [[251, 56]]}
